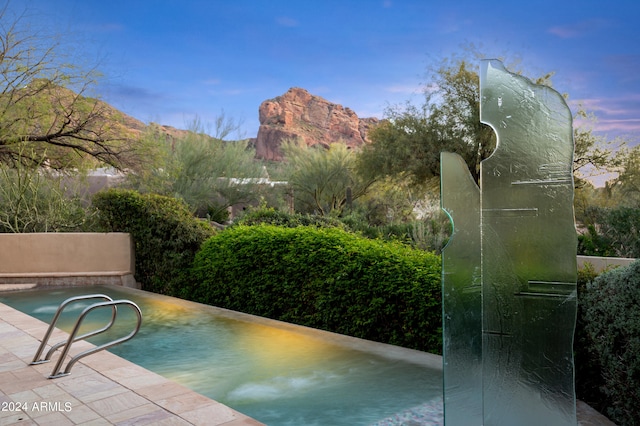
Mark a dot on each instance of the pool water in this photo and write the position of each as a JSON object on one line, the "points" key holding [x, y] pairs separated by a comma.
{"points": [[275, 372]]}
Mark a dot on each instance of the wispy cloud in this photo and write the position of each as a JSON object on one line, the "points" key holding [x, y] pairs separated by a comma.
{"points": [[212, 82], [104, 27], [613, 115], [630, 125], [628, 105], [409, 89], [137, 93], [286, 21], [578, 29]]}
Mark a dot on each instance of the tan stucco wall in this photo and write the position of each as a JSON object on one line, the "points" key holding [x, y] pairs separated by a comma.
{"points": [[49, 258], [603, 263]]}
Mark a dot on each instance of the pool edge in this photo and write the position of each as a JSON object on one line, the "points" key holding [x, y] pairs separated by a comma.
{"points": [[101, 386]]}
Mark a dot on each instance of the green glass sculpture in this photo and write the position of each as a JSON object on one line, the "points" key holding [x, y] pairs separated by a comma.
{"points": [[509, 271]]}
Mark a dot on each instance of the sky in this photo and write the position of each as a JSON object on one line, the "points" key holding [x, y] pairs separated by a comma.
{"points": [[171, 61]]}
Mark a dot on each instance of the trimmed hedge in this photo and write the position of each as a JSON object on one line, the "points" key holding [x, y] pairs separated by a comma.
{"points": [[324, 278], [611, 313], [165, 233]]}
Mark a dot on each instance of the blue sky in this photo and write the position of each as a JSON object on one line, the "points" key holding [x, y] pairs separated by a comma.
{"points": [[168, 61]]}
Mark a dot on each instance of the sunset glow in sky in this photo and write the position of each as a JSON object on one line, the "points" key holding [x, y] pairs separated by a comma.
{"points": [[168, 61]]}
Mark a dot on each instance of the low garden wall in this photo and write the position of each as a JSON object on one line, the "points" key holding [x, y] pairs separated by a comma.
{"points": [[601, 264], [66, 259]]}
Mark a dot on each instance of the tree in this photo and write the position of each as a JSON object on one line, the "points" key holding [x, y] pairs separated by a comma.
{"points": [[627, 184], [411, 138], [324, 181], [207, 172], [44, 104], [37, 199]]}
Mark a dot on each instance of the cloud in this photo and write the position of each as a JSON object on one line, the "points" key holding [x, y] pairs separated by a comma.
{"points": [[285, 21], [409, 89], [630, 125], [618, 115], [578, 29], [104, 28], [212, 82], [141, 94]]}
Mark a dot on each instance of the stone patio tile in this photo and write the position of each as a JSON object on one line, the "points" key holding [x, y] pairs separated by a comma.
{"points": [[54, 419], [212, 414], [96, 422], [172, 421], [11, 363], [115, 404], [52, 391], [15, 419], [80, 413], [133, 376], [243, 421], [90, 388], [162, 391], [145, 414], [184, 402]]}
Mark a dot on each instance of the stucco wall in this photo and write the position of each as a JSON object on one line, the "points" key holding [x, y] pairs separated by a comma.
{"points": [[67, 258], [603, 263]]}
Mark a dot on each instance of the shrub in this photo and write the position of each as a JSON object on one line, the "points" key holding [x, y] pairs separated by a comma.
{"points": [[612, 324], [325, 278], [166, 235], [271, 216], [588, 369]]}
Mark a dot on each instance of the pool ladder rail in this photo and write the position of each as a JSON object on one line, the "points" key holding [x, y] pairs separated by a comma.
{"points": [[66, 344]]}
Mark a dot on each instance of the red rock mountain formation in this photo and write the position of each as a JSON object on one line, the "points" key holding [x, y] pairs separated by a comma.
{"points": [[300, 115]]}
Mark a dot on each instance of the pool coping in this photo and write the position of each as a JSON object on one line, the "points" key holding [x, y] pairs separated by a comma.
{"points": [[101, 389]]}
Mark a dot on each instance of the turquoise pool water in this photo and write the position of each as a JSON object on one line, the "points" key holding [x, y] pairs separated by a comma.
{"points": [[274, 372]]}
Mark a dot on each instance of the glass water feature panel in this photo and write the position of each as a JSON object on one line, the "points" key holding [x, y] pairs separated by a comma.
{"points": [[528, 253], [461, 289], [525, 312]]}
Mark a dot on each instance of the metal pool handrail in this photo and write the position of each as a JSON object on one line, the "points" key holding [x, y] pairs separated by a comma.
{"points": [[112, 303], [63, 305]]}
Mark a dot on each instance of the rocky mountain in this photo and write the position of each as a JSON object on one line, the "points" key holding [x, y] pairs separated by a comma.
{"points": [[300, 115]]}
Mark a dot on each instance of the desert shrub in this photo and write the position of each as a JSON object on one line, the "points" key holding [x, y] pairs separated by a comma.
{"points": [[589, 379], [325, 278], [166, 235], [271, 216], [612, 325], [612, 232]]}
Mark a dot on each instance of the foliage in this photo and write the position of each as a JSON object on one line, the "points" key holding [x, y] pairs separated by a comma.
{"points": [[592, 243], [44, 104], [593, 154], [324, 278], [271, 216], [429, 233], [35, 199], [627, 185], [412, 137], [207, 172], [165, 234], [588, 369], [612, 232], [324, 181], [612, 324], [410, 140]]}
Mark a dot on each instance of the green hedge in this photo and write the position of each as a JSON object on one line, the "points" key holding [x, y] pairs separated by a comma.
{"points": [[165, 233], [324, 278], [611, 315]]}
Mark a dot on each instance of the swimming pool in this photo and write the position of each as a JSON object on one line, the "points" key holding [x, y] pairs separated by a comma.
{"points": [[275, 372]]}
